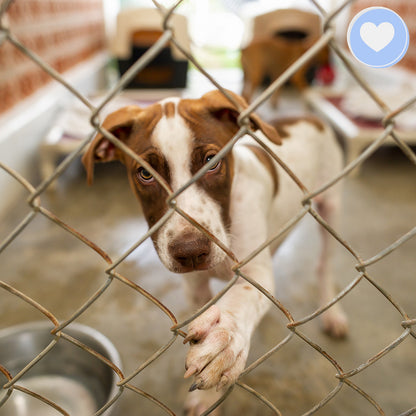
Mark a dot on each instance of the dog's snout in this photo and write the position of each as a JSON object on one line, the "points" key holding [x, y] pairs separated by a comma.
{"points": [[191, 252]]}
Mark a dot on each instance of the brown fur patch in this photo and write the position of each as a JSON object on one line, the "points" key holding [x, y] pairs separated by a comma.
{"points": [[281, 124], [132, 125]]}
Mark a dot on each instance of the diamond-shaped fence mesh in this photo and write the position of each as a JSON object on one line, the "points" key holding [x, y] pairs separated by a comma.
{"points": [[112, 276]]}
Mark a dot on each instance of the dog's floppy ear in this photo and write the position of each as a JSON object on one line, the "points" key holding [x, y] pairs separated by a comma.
{"points": [[120, 124], [224, 110]]}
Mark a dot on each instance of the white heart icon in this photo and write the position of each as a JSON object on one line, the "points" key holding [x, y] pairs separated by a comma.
{"points": [[377, 37]]}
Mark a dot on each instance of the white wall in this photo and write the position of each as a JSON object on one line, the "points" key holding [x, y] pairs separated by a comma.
{"points": [[24, 126]]}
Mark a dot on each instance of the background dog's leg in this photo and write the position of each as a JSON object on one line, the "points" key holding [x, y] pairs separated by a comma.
{"points": [[274, 98], [253, 74], [299, 79], [334, 320]]}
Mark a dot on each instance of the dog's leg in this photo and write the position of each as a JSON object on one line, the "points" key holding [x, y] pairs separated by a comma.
{"points": [[299, 79], [253, 74], [274, 98], [220, 337], [197, 289], [247, 91], [334, 320], [249, 87], [198, 293]]}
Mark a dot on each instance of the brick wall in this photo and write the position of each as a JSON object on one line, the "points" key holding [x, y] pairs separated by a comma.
{"points": [[407, 10], [62, 32]]}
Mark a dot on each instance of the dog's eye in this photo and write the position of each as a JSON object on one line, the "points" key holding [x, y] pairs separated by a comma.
{"points": [[208, 158], [144, 175]]}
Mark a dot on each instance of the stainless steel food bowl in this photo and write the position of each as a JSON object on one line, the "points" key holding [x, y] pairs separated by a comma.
{"points": [[74, 379]]}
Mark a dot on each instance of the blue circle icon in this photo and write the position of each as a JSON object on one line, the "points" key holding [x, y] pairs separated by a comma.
{"points": [[378, 37]]}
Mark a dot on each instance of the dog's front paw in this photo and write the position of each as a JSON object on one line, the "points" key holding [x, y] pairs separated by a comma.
{"points": [[218, 350]]}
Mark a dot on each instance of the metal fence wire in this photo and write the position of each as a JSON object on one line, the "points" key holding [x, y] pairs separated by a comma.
{"points": [[294, 328]]}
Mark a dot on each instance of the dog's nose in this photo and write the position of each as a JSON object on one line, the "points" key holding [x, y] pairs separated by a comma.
{"points": [[191, 251]]}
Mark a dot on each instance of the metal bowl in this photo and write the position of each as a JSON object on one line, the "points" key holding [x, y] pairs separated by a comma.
{"points": [[72, 378]]}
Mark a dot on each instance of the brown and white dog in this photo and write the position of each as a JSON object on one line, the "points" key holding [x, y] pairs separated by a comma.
{"points": [[269, 57], [242, 200]]}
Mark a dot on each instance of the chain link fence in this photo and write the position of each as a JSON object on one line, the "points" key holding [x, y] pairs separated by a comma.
{"points": [[178, 329]]}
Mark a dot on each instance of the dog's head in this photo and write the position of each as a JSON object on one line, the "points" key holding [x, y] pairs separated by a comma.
{"points": [[176, 138]]}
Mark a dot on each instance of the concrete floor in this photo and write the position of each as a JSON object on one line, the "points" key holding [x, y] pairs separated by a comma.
{"points": [[55, 269]]}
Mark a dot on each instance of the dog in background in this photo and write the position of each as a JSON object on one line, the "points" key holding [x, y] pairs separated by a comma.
{"points": [[241, 200], [267, 57]]}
